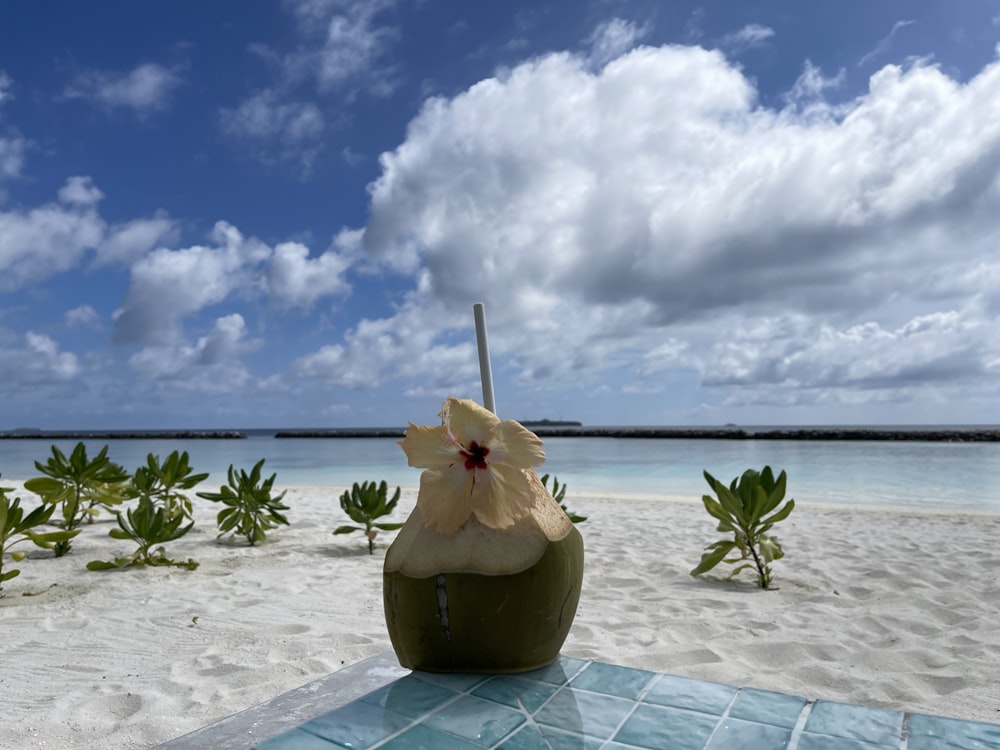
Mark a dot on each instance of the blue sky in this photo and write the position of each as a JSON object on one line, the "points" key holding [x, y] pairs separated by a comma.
{"points": [[235, 214]]}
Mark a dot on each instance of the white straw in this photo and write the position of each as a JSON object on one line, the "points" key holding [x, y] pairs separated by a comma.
{"points": [[485, 372]]}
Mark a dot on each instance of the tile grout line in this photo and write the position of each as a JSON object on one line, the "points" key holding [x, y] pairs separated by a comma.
{"points": [[657, 677], [529, 716], [723, 717], [800, 725], [426, 715]]}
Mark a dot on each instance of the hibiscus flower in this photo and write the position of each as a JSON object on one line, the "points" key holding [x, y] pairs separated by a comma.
{"points": [[475, 465]]}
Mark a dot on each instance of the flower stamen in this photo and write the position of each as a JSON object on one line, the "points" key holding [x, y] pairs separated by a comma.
{"points": [[475, 456]]}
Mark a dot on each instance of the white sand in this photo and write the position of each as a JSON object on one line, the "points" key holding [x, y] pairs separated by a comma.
{"points": [[888, 608]]}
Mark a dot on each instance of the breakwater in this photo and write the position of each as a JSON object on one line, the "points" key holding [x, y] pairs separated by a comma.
{"points": [[928, 435], [117, 435]]}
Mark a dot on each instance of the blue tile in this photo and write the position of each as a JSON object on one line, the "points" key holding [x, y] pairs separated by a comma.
{"points": [[875, 725], [460, 683], [613, 680], [765, 707], [546, 738], [515, 692], [736, 734], [297, 740], [809, 741], [477, 720], [356, 725], [558, 672], [656, 727], [580, 712], [409, 696], [697, 695], [422, 737], [940, 733]]}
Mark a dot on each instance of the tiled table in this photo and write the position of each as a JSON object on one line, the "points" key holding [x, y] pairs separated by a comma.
{"points": [[589, 705]]}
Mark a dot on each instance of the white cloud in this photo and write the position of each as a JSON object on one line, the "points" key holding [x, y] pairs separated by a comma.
{"points": [[597, 211], [295, 280], [263, 115], [144, 90], [751, 35], [127, 242], [811, 85], [12, 145], [50, 239], [168, 285], [80, 191], [83, 316], [613, 38], [884, 43], [48, 359], [278, 131], [211, 365]]}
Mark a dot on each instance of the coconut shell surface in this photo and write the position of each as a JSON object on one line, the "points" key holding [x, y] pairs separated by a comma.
{"points": [[473, 622]]}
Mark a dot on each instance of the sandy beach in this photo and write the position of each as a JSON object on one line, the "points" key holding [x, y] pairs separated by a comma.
{"points": [[892, 608]]}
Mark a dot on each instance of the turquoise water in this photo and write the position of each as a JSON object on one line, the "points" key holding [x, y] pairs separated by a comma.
{"points": [[941, 475]]}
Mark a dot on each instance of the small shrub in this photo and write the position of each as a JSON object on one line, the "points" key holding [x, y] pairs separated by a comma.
{"points": [[147, 525], [559, 493], [163, 484], [15, 528], [742, 509], [250, 510], [81, 487], [364, 504]]}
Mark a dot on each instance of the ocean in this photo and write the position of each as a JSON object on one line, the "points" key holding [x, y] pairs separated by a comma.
{"points": [[913, 474]]}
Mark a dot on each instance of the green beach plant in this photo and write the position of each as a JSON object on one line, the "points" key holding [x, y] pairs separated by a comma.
{"points": [[743, 509], [165, 483], [147, 525], [16, 528], [559, 495], [250, 510], [364, 504], [81, 486]]}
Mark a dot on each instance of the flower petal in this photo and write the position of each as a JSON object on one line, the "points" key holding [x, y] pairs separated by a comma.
{"points": [[428, 447], [515, 445], [501, 496], [467, 420], [445, 498]]}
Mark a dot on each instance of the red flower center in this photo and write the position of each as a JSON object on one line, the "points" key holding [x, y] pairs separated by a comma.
{"points": [[475, 457]]}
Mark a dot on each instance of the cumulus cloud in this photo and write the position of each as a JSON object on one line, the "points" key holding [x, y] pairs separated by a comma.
{"points": [[168, 285], [83, 316], [602, 212], [144, 90], [212, 364], [52, 238], [296, 280], [48, 361], [127, 242], [373, 351], [55, 237], [80, 191]]}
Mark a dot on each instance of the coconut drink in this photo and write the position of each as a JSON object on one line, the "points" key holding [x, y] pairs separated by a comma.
{"points": [[485, 574]]}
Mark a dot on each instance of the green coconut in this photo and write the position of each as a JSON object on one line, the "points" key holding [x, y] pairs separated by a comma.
{"points": [[483, 599]]}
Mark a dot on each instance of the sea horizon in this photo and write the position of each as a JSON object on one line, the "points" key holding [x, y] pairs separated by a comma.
{"points": [[953, 474]]}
